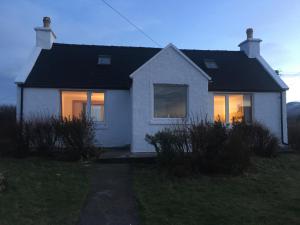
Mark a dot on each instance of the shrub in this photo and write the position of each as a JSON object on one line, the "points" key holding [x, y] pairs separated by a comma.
{"points": [[235, 156], [204, 135], [170, 145], [22, 139], [294, 134], [44, 135], [63, 139], [208, 147], [259, 139], [7, 131], [77, 136], [3, 183]]}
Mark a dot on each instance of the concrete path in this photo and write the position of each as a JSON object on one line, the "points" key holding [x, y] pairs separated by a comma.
{"points": [[111, 199]]}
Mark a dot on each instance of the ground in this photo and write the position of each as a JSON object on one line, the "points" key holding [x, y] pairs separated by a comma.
{"points": [[43, 192], [47, 192], [267, 195]]}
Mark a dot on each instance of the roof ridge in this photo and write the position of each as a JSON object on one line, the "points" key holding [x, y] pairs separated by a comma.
{"points": [[92, 45], [122, 46]]}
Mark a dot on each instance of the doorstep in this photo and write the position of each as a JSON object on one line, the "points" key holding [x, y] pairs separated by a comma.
{"points": [[126, 156]]}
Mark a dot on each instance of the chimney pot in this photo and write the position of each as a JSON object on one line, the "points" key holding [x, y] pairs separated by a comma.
{"points": [[46, 22], [249, 33]]}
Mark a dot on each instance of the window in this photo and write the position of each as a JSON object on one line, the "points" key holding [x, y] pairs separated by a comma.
{"points": [[219, 108], [170, 101], [228, 108], [76, 103], [97, 106], [104, 60], [210, 64]]}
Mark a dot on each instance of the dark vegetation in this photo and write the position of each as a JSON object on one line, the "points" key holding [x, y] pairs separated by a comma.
{"points": [[293, 114], [294, 135], [268, 194], [211, 147], [63, 139], [43, 192]]}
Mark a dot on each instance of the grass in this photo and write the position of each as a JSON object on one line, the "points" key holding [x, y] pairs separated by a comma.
{"points": [[42, 192], [268, 195]]}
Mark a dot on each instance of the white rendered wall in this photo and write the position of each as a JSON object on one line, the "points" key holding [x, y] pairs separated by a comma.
{"points": [[167, 67], [267, 110], [116, 129], [40, 102]]}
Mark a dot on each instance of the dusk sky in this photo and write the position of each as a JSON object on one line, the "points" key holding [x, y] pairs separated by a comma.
{"points": [[198, 24]]}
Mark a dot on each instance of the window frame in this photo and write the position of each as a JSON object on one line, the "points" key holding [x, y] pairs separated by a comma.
{"points": [[166, 120], [227, 94], [106, 57], [211, 64], [88, 103]]}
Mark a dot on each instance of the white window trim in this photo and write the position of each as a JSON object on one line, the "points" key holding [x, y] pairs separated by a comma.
{"points": [[166, 121], [227, 94], [98, 124]]}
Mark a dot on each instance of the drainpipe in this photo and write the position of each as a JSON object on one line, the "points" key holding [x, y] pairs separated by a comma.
{"points": [[21, 103], [281, 114]]}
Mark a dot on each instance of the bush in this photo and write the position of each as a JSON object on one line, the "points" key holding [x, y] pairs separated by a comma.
{"points": [[170, 145], [22, 139], [63, 139], [77, 136], [235, 157], [3, 183], [259, 139], [7, 131], [294, 134], [200, 146], [44, 135]]}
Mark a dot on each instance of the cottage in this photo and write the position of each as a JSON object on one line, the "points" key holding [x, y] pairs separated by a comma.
{"points": [[133, 91]]}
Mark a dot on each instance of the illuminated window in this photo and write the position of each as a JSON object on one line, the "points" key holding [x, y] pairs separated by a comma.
{"points": [[97, 106], [239, 107], [219, 108], [170, 101], [76, 103], [73, 103]]}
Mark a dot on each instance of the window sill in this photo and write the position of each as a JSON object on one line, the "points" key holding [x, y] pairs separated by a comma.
{"points": [[167, 121], [100, 125]]}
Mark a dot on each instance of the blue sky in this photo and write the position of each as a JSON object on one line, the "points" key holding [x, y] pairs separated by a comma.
{"points": [[187, 24]]}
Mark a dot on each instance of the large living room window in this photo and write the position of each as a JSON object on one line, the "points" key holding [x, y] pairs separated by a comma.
{"points": [[76, 103], [233, 107], [170, 101]]}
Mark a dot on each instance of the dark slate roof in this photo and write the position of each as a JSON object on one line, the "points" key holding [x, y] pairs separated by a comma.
{"points": [[75, 66]]}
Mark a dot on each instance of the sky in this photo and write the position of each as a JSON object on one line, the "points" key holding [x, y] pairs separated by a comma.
{"points": [[201, 24]]}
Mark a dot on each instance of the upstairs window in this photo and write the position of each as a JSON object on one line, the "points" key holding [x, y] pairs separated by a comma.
{"points": [[104, 60], [76, 103], [170, 101], [210, 64], [235, 107]]}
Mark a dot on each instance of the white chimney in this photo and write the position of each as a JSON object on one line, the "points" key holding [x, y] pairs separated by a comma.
{"points": [[251, 46], [44, 35]]}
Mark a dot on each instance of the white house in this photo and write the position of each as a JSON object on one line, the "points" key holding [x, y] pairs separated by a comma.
{"points": [[133, 91]]}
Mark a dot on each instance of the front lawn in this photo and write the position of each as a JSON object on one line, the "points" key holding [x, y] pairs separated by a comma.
{"points": [[42, 192], [269, 194]]}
